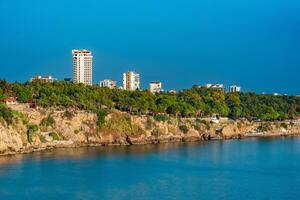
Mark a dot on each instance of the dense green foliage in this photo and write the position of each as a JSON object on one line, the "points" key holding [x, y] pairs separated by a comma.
{"points": [[48, 121], [101, 114], [194, 102], [54, 136], [161, 117], [264, 127], [69, 115], [184, 129], [31, 130], [9, 115], [6, 114], [121, 124]]}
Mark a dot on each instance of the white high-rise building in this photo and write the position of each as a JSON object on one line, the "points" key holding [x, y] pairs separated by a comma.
{"points": [[108, 83], [83, 66], [234, 88], [131, 81], [155, 87]]}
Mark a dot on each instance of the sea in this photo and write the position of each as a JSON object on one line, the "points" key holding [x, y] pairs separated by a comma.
{"points": [[254, 168]]}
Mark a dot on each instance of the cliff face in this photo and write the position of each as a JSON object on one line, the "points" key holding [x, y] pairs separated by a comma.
{"points": [[12, 138], [48, 128]]}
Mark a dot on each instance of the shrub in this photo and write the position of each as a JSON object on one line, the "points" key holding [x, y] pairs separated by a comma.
{"points": [[264, 127], [184, 129], [206, 123], [149, 123], [48, 121], [284, 125], [22, 117], [156, 132], [42, 138], [197, 127], [161, 117], [118, 123], [69, 115], [54, 136], [6, 114], [137, 130], [31, 130], [101, 114]]}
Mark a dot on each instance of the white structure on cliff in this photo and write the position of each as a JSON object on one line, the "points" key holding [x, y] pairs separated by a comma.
{"points": [[83, 66], [108, 83], [155, 87], [215, 86], [234, 88], [131, 81]]}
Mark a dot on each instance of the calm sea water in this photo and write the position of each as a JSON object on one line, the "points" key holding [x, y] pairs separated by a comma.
{"points": [[236, 169]]}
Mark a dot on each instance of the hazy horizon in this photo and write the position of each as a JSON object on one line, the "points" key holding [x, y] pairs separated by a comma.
{"points": [[254, 44]]}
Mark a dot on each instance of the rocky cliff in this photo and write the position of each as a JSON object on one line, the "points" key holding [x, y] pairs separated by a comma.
{"points": [[50, 128]]}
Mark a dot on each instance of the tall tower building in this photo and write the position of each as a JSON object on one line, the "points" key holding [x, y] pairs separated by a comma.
{"points": [[131, 81], [83, 66]]}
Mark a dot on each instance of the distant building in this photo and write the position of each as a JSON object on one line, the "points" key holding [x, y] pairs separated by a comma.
{"points": [[83, 66], [155, 87], [108, 83], [131, 81], [10, 100], [45, 79], [172, 91], [234, 88], [215, 86]]}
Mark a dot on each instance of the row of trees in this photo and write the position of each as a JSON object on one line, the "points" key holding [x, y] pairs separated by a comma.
{"points": [[194, 102]]}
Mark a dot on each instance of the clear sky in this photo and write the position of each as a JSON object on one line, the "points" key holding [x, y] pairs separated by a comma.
{"points": [[253, 43]]}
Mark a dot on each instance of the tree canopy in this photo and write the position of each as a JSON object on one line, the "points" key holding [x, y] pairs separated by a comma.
{"points": [[194, 102]]}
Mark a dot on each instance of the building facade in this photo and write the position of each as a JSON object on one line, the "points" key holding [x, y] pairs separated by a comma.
{"points": [[43, 79], [108, 83], [215, 86], [234, 88], [131, 81], [155, 87], [82, 66]]}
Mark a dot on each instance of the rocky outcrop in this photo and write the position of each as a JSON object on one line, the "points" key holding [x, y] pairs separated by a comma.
{"points": [[75, 128], [12, 138]]}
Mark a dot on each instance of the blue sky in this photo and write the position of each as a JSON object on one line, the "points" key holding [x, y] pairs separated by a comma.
{"points": [[253, 43]]}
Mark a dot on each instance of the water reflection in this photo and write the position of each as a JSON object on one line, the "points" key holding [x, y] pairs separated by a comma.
{"points": [[92, 152], [217, 151]]}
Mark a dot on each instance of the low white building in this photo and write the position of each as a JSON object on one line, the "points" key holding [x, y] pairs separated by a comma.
{"points": [[44, 79], [108, 83], [234, 88], [215, 86], [172, 91], [155, 87], [11, 100]]}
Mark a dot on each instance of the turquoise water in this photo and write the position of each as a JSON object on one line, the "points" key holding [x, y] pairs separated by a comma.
{"points": [[236, 169]]}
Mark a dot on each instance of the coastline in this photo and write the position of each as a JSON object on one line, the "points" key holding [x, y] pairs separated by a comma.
{"points": [[62, 146], [122, 129]]}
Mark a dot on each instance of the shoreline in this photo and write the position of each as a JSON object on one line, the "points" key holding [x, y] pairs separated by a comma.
{"points": [[74, 146]]}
